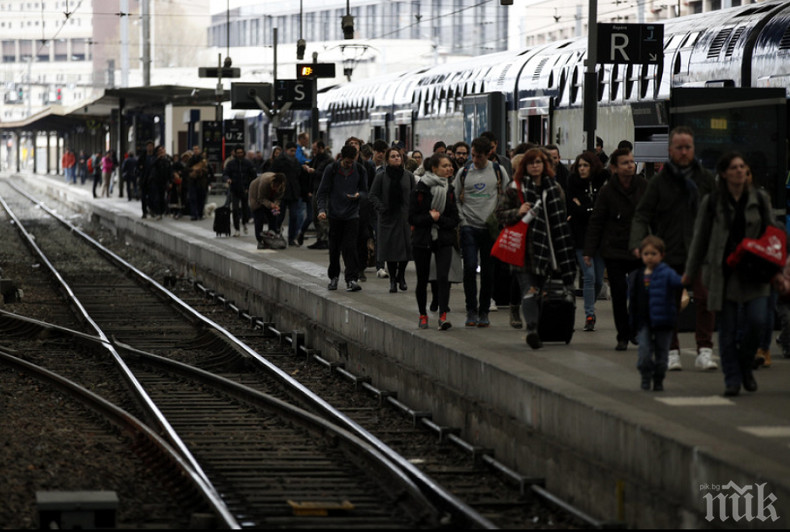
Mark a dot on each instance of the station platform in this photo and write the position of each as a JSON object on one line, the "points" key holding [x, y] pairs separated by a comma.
{"points": [[573, 414]]}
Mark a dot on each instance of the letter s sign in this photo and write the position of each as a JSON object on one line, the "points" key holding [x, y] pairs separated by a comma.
{"points": [[299, 92]]}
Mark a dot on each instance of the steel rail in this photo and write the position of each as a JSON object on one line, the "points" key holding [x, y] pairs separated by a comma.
{"points": [[442, 498], [137, 389], [125, 422]]}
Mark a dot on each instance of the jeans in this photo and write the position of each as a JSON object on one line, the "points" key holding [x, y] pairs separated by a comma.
{"points": [[157, 203], [593, 280], [308, 215], [294, 209], [737, 356], [531, 285], [263, 215], [422, 262], [653, 352], [343, 238], [240, 204], [768, 332], [618, 283], [477, 242]]}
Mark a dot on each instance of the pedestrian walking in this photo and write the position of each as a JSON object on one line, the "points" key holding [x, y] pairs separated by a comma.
{"points": [[238, 174], [433, 213], [608, 234], [652, 291], [390, 195], [737, 210], [669, 209]]}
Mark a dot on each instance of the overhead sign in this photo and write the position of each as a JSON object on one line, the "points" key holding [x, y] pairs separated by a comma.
{"points": [[242, 95], [213, 72], [234, 133], [296, 91], [631, 44], [315, 70]]}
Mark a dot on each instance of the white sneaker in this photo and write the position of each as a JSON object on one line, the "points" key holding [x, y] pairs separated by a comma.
{"points": [[674, 361], [236, 234], [704, 359], [492, 307], [245, 229], [382, 274]]}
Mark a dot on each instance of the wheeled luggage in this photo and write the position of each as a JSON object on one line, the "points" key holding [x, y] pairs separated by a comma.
{"points": [[222, 221], [557, 312]]}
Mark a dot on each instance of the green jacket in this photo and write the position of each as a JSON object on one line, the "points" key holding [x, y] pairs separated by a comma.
{"points": [[668, 210], [709, 245]]}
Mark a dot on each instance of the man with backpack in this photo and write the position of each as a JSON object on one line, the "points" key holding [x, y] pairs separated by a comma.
{"points": [[342, 188], [479, 186]]}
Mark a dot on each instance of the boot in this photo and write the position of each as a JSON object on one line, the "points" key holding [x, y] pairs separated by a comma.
{"points": [[515, 316], [767, 358], [393, 286]]}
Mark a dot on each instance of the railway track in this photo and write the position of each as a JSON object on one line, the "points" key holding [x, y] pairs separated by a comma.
{"points": [[112, 306]]}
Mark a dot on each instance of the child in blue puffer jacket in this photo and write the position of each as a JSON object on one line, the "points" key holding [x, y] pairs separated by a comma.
{"points": [[653, 311]]}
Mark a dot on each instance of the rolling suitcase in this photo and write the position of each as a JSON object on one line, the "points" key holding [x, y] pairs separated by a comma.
{"points": [[222, 221], [557, 312]]}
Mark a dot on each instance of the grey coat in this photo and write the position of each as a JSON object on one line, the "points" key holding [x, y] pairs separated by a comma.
{"points": [[708, 247], [394, 232]]}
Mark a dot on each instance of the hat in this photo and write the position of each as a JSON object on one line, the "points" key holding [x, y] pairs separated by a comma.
{"points": [[398, 144]]}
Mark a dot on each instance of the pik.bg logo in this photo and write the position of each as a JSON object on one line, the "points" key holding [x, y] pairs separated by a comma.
{"points": [[749, 502]]}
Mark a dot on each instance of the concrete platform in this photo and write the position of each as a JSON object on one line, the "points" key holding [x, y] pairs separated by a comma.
{"points": [[573, 414]]}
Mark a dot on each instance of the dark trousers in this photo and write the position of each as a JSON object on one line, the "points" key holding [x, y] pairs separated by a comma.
{"points": [[145, 202], [240, 204], [343, 238], [397, 270], [706, 320], [321, 226], [477, 242], [737, 355], [197, 200], [156, 196], [362, 242], [293, 217], [131, 187], [96, 182], [618, 271], [422, 262], [308, 218], [261, 216]]}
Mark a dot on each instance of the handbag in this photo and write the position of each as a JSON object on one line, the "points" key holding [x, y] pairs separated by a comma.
{"points": [[510, 245], [760, 259], [273, 240]]}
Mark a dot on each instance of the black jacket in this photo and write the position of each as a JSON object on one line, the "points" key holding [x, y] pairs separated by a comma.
{"points": [[334, 193], [162, 172], [420, 218], [241, 172], [610, 224], [319, 162], [284, 164], [586, 192]]}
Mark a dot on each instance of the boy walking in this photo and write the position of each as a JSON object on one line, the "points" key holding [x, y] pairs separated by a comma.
{"points": [[653, 311]]}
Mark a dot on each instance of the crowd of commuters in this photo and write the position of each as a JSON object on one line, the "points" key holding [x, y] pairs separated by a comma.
{"points": [[377, 205]]}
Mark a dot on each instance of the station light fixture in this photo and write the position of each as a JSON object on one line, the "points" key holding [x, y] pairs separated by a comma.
{"points": [[301, 44], [348, 26]]}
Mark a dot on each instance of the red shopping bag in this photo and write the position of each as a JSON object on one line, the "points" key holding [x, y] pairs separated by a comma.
{"points": [[760, 259], [510, 246]]}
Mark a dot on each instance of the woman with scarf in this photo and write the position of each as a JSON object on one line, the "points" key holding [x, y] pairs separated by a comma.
{"points": [[433, 212], [585, 180], [548, 248], [389, 195]]}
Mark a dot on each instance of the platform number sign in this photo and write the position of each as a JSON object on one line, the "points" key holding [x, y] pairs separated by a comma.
{"points": [[234, 133], [631, 44]]}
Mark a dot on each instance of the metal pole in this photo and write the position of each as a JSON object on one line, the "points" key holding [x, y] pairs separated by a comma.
{"points": [[218, 91], [590, 78], [314, 111], [29, 86], [275, 56], [146, 12], [125, 43]]}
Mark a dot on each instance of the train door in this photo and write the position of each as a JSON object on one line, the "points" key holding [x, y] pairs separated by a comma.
{"points": [[378, 127], [485, 112], [404, 128], [533, 113]]}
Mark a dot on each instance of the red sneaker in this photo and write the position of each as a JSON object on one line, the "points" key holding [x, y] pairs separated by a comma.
{"points": [[443, 323], [423, 321]]}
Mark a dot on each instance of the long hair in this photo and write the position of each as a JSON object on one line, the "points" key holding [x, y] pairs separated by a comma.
{"points": [[387, 156], [590, 158], [721, 168], [530, 156]]}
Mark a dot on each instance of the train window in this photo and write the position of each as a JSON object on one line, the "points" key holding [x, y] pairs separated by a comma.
{"points": [[677, 65], [601, 85], [615, 84], [551, 79], [657, 80], [784, 44], [629, 82], [575, 85], [644, 82], [561, 88]]}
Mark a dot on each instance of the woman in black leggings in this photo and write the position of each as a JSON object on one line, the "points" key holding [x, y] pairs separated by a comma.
{"points": [[433, 213]]}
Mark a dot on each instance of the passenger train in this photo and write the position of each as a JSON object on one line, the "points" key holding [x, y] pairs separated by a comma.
{"points": [[536, 94]]}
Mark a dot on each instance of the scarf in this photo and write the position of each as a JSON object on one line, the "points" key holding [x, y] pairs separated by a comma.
{"points": [[687, 174], [438, 188], [395, 196]]}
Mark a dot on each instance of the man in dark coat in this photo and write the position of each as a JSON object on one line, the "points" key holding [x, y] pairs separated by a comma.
{"points": [[315, 168], [238, 174], [343, 185], [669, 210], [145, 164], [287, 164], [161, 177]]}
